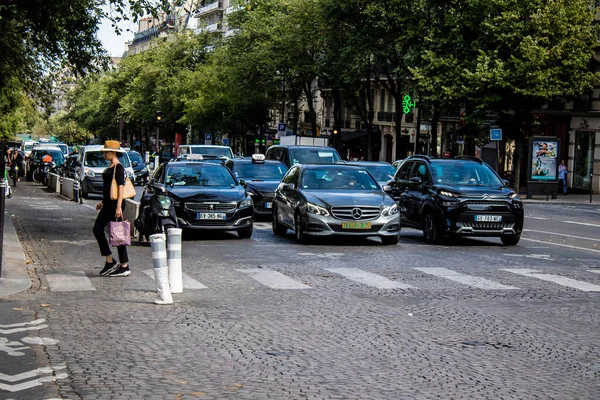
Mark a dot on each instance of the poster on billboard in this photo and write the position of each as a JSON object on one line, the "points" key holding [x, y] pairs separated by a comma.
{"points": [[544, 160]]}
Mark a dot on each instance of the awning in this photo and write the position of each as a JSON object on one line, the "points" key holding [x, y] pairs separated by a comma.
{"points": [[356, 134]]}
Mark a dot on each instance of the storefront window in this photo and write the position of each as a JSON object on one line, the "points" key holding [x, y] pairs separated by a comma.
{"points": [[584, 159]]}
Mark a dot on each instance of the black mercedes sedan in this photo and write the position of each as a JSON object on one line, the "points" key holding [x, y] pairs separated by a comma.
{"points": [[206, 196], [334, 200], [260, 177]]}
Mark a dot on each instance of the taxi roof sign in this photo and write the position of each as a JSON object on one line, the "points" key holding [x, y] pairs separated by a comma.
{"points": [[258, 158], [195, 157]]}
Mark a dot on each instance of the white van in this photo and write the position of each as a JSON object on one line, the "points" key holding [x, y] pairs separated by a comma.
{"points": [[28, 146], [205, 150], [91, 166]]}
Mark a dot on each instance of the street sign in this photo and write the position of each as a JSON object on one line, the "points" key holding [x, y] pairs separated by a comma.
{"points": [[225, 142], [281, 127], [208, 138], [495, 134]]}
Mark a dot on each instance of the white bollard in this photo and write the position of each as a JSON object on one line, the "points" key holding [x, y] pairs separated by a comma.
{"points": [[174, 260], [161, 271]]}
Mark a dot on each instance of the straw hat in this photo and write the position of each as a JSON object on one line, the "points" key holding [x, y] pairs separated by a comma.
{"points": [[112, 145]]}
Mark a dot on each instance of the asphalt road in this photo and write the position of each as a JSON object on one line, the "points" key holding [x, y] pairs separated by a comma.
{"points": [[335, 319]]}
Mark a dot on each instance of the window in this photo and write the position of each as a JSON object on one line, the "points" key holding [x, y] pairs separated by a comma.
{"points": [[199, 175], [158, 174], [341, 178], [382, 100], [274, 153], [265, 171], [314, 156], [403, 173], [420, 171], [184, 150], [292, 176]]}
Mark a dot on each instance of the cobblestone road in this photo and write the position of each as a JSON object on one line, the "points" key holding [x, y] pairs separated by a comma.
{"points": [[470, 319]]}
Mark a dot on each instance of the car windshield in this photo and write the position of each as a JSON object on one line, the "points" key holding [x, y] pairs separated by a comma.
{"points": [[133, 156], [199, 175], [338, 179], [64, 148], [57, 156], [212, 151], [267, 171], [382, 173], [28, 147], [464, 173], [95, 159], [314, 156]]}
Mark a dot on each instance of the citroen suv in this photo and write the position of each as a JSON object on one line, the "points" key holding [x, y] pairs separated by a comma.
{"points": [[461, 196]]}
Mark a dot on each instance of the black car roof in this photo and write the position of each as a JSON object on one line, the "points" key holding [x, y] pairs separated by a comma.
{"points": [[363, 163], [206, 164], [295, 146], [330, 166], [249, 161]]}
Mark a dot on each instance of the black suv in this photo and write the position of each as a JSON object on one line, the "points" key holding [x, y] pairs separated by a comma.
{"points": [[461, 196], [206, 196], [291, 155]]}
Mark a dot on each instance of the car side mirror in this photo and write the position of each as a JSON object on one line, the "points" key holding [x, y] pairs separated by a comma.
{"points": [[243, 183], [134, 164], [387, 188], [288, 187], [160, 187], [416, 180], [506, 183]]}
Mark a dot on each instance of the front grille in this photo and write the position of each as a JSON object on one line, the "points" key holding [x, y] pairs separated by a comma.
{"points": [[211, 207], [485, 225], [347, 213], [487, 203]]}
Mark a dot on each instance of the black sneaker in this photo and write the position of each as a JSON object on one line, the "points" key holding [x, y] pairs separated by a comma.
{"points": [[120, 271], [108, 268]]}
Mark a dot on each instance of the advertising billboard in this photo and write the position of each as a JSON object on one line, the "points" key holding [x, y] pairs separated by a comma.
{"points": [[544, 159]]}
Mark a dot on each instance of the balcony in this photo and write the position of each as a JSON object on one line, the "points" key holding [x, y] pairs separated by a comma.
{"points": [[218, 27], [232, 32], [208, 9], [232, 9], [383, 116]]}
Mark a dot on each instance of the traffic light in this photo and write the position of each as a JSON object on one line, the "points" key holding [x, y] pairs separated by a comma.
{"points": [[158, 116]]}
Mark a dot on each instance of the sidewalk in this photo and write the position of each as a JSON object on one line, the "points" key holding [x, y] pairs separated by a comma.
{"points": [[562, 199], [14, 277]]}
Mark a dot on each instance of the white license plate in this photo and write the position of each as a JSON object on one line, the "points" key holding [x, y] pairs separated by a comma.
{"points": [[488, 218], [268, 205], [212, 216]]}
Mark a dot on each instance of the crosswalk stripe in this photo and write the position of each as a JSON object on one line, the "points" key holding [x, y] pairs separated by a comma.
{"points": [[73, 281], [188, 282], [469, 280], [369, 278], [595, 271], [560, 280], [273, 279]]}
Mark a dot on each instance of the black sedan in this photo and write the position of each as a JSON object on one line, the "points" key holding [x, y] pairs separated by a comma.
{"points": [[206, 196], [260, 177], [334, 200]]}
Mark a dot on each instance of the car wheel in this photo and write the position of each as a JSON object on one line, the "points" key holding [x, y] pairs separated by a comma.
{"points": [[511, 240], [278, 229], [301, 237], [245, 233], [431, 229], [390, 240]]}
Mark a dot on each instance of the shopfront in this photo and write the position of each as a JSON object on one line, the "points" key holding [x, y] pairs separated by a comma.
{"points": [[584, 155]]}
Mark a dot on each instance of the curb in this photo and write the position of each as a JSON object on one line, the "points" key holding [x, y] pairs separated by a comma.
{"points": [[558, 202], [15, 278]]}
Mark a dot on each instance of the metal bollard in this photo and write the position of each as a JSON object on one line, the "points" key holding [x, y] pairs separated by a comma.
{"points": [[174, 260], [161, 271]]}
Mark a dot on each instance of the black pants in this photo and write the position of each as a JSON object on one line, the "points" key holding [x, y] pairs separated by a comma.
{"points": [[107, 214]]}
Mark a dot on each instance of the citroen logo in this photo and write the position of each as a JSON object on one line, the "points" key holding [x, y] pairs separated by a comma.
{"points": [[211, 207], [486, 196], [356, 213]]}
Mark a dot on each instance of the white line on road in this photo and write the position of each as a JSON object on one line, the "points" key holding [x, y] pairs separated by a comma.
{"points": [[188, 282], [559, 280], [73, 281], [595, 271], [30, 374], [473, 281], [544, 219], [561, 245], [561, 234], [582, 223], [34, 322], [273, 279], [369, 279]]}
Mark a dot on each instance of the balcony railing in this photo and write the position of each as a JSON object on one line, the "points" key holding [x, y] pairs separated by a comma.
{"points": [[209, 8], [209, 28], [383, 116], [232, 32], [232, 9]]}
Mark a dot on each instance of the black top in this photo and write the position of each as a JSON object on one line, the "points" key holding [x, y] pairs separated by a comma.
{"points": [[107, 177]]}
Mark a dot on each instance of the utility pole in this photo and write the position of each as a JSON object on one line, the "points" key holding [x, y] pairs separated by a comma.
{"points": [[2, 199]]}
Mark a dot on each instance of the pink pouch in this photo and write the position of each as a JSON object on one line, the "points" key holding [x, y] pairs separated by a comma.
{"points": [[120, 234]]}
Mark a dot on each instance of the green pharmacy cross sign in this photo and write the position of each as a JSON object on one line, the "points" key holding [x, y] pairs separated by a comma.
{"points": [[408, 104]]}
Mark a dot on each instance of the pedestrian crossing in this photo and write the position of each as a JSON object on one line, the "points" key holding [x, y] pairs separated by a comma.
{"points": [[431, 278]]}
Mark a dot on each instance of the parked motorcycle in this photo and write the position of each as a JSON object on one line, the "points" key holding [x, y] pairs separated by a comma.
{"points": [[42, 173], [157, 215]]}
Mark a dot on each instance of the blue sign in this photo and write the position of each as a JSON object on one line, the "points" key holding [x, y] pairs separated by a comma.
{"points": [[496, 134], [225, 142], [208, 136], [281, 127]]}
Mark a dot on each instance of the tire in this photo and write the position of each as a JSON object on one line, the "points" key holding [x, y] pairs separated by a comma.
{"points": [[37, 176], [511, 240], [301, 237], [245, 233], [390, 240], [278, 229], [431, 228]]}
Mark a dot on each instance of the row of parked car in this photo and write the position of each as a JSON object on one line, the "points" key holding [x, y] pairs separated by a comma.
{"points": [[311, 191]]}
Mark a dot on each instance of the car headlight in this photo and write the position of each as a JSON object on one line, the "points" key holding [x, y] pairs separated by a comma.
{"points": [[246, 203], [89, 172], [517, 204], [391, 210], [314, 209], [513, 196], [165, 201], [448, 194]]}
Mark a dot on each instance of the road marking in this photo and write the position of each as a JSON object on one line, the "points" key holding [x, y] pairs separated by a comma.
{"points": [[262, 225], [188, 282], [544, 219], [76, 242], [582, 223], [469, 280], [561, 245], [34, 322], [561, 234], [595, 271], [12, 347], [74, 281], [560, 280], [369, 279], [23, 327], [31, 374], [273, 279]]}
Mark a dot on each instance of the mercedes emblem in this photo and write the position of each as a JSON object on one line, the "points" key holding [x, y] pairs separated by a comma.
{"points": [[356, 213]]}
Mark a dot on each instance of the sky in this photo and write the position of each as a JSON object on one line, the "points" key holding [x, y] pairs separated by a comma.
{"points": [[114, 44]]}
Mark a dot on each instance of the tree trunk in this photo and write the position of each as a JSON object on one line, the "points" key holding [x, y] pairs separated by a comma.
{"points": [[337, 120], [311, 107], [435, 118]]}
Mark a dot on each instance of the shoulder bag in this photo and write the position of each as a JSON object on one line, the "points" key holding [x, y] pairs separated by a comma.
{"points": [[128, 190]]}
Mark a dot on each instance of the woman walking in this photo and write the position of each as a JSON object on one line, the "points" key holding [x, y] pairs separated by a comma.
{"points": [[110, 210]]}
